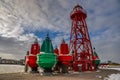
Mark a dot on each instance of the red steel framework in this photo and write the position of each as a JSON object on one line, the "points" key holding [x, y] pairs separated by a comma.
{"points": [[80, 44]]}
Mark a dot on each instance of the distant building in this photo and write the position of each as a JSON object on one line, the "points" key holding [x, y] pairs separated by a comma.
{"points": [[12, 61], [0, 59], [22, 61]]}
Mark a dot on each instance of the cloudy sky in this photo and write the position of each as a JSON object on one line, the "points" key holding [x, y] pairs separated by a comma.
{"points": [[21, 21]]}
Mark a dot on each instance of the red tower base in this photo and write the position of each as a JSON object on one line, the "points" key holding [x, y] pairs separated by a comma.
{"points": [[81, 66]]}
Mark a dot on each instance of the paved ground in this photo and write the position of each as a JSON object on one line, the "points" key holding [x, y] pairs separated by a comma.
{"points": [[99, 75]]}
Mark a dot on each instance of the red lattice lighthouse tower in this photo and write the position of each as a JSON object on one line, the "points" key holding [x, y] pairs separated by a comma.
{"points": [[80, 44]]}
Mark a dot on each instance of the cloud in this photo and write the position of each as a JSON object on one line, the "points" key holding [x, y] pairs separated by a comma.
{"points": [[7, 56], [107, 44], [103, 23], [58, 39], [101, 15]]}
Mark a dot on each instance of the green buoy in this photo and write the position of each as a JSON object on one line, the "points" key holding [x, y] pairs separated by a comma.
{"points": [[47, 59]]}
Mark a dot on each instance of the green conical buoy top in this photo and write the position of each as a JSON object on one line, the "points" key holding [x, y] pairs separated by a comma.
{"points": [[95, 54], [47, 46]]}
